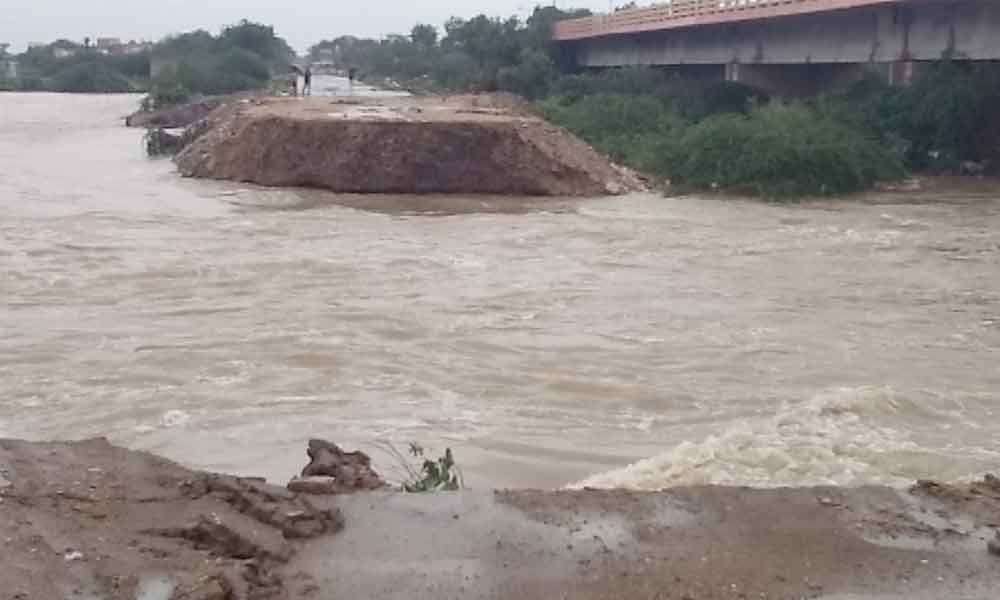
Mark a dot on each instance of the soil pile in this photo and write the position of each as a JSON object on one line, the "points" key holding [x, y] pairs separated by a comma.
{"points": [[174, 117], [87, 519], [464, 144]]}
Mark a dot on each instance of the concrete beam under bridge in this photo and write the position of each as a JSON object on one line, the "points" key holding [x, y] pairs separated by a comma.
{"points": [[806, 54], [795, 80]]}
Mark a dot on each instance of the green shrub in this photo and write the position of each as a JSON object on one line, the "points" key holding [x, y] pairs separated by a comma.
{"points": [[630, 81], [31, 83], [441, 475], [90, 78], [947, 116], [639, 131], [530, 77], [164, 94], [233, 70], [781, 151], [723, 97]]}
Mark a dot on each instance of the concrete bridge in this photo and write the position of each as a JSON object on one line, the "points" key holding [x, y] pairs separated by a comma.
{"points": [[789, 47]]}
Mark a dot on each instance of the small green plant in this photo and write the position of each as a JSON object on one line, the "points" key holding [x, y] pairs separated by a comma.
{"points": [[440, 475]]}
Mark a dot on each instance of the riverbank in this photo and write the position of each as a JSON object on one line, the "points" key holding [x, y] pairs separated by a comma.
{"points": [[87, 519]]}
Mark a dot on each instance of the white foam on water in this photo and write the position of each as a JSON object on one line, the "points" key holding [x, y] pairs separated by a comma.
{"points": [[174, 418], [836, 438]]}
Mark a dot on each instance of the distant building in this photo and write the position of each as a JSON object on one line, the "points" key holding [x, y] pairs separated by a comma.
{"points": [[107, 43], [133, 47], [65, 48]]}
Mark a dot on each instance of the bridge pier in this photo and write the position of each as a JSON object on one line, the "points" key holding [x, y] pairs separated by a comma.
{"points": [[794, 80], [901, 73]]}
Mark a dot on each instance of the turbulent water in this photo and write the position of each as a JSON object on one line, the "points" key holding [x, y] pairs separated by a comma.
{"points": [[548, 342]]}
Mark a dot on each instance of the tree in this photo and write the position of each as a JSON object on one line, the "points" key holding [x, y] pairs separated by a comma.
{"points": [[531, 77], [424, 37], [199, 41], [259, 39]]}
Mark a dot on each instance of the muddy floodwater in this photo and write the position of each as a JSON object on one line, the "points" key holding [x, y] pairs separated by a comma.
{"points": [[549, 342]]}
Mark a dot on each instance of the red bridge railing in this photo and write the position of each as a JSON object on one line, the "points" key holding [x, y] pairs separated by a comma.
{"points": [[671, 14]]}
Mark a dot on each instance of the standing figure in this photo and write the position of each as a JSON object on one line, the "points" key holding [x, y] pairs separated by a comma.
{"points": [[352, 74], [307, 86]]}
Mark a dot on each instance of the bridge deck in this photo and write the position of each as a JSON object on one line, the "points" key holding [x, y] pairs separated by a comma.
{"points": [[672, 14]]}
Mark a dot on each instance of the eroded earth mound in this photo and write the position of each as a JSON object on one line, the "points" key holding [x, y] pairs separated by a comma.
{"points": [[464, 144]]}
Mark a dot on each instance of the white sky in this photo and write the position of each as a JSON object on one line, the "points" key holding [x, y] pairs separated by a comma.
{"points": [[302, 23]]}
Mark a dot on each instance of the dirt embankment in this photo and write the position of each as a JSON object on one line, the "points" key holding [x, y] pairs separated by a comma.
{"points": [[463, 144], [175, 117], [90, 520]]}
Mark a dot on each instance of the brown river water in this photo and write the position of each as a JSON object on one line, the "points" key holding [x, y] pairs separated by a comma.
{"points": [[547, 341]]}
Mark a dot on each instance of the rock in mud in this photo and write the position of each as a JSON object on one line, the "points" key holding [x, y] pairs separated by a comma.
{"points": [[316, 486], [333, 471], [230, 536], [409, 146], [215, 587]]}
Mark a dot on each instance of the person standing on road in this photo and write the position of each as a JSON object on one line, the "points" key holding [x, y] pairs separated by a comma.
{"points": [[307, 83]]}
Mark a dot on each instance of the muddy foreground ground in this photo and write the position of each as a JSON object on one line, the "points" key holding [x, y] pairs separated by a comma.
{"points": [[93, 521]]}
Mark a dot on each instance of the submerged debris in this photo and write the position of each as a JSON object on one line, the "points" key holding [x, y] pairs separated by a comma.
{"points": [[160, 142]]}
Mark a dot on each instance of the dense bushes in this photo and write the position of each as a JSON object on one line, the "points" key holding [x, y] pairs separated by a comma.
{"points": [[771, 150], [164, 95], [637, 130], [224, 72], [946, 117], [780, 151], [64, 66], [242, 57], [90, 77]]}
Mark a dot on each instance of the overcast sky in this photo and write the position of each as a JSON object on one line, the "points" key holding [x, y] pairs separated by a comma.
{"points": [[302, 22]]}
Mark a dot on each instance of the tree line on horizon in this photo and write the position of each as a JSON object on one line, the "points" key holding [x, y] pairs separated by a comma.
{"points": [[475, 54], [243, 56]]}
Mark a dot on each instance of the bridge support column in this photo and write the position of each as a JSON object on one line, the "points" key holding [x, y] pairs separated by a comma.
{"points": [[794, 80], [901, 73]]}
